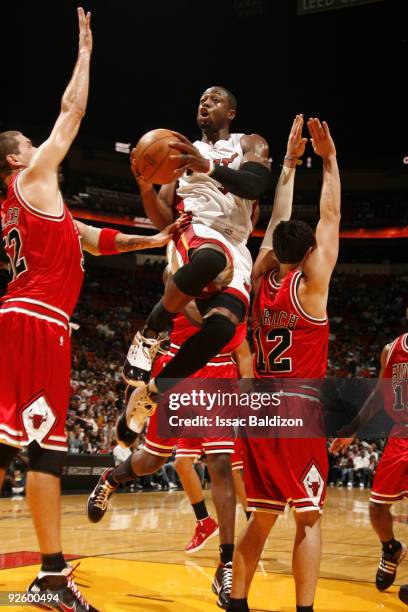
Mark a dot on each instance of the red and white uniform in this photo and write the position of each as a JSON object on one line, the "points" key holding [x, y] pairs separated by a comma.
{"points": [[46, 263], [220, 366], [219, 217], [391, 478], [289, 344]]}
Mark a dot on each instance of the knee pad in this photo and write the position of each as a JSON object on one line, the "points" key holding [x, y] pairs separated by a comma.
{"points": [[45, 459], [204, 267], [218, 330], [7, 454]]}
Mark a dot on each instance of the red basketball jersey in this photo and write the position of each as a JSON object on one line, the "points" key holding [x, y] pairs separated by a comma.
{"points": [[288, 342], [183, 330], [395, 389], [46, 261]]}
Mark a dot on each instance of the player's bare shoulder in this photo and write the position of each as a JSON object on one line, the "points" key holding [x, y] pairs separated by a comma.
{"points": [[255, 149]]}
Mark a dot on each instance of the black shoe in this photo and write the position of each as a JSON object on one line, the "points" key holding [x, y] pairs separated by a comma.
{"points": [[387, 569], [403, 593], [139, 360], [141, 405], [99, 498], [58, 591], [222, 584]]}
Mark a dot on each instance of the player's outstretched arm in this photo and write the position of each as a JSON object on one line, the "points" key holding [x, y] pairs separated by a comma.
{"points": [[107, 241], [319, 265], [250, 181], [370, 408], [282, 205], [40, 181]]}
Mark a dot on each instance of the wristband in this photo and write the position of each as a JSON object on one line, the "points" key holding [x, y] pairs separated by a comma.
{"points": [[106, 243]]}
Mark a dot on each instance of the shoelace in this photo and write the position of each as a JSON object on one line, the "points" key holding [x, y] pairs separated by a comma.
{"points": [[102, 497], [74, 589], [152, 346], [227, 578]]}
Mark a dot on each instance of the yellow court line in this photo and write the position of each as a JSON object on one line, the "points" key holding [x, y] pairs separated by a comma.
{"points": [[114, 585]]}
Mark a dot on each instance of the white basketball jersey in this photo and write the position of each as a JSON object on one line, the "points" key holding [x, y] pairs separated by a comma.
{"points": [[208, 201]]}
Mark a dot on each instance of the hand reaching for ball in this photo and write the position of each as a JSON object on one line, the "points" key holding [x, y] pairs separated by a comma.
{"points": [[188, 156]]}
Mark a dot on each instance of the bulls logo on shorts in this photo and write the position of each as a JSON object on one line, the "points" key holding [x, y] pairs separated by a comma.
{"points": [[38, 419], [313, 482]]}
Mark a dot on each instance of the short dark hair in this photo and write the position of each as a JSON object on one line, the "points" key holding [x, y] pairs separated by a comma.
{"points": [[231, 98], [8, 145], [291, 241]]}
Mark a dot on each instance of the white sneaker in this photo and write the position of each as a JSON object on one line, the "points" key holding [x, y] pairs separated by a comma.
{"points": [[139, 360]]}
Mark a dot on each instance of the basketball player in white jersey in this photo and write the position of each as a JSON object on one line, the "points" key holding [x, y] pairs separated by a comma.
{"points": [[218, 183]]}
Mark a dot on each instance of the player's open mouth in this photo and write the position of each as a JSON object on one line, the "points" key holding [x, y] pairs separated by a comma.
{"points": [[204, 112]]}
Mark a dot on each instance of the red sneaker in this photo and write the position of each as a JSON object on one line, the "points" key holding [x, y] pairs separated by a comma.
{"points": [[204, 531]]}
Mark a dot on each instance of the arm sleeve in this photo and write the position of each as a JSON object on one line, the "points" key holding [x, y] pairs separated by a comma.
{"points": [[250, 181]]}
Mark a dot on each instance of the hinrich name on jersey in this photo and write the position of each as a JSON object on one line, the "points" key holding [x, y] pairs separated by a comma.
{"points": [[10, 218], [279, 318], [399, 372]]}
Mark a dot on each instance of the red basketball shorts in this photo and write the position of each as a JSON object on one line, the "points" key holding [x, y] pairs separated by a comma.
{"points": [[219, 367], [280, 471], [391, 478], [237, 458], [35, 367], [235, 279]]}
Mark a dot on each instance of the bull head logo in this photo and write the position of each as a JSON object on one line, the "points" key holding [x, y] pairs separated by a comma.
{"points": [[37, 419], [314, 485]]}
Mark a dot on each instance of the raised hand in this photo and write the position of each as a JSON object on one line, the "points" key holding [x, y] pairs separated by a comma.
{"points": [[296, 144], [321, 139], [85, 33]]}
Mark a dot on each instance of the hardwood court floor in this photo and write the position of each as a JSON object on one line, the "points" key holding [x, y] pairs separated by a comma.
{"points": [[134, 559]]}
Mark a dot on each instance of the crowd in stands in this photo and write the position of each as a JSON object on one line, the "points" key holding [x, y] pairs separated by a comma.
{"points": [[365, 313], [357, 465]]}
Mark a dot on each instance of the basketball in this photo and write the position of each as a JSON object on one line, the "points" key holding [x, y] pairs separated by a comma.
{"points": [[151, 157]]}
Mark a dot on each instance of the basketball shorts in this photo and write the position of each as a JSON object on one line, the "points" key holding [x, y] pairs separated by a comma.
{"points": [[281, 471], [391, 478], [237, 458], [235, 279], [35, 367], [221, 366]]}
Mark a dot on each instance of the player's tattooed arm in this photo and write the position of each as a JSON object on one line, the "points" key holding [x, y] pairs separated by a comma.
{"points": [[95, 242], [130, 242]]}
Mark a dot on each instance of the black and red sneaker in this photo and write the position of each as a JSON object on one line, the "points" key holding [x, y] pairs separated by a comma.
{"points": [[222, 584], [99, 498], [58, 591]]}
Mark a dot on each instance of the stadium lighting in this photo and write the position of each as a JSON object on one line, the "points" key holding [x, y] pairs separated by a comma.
{"points": [[122, 147]]}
